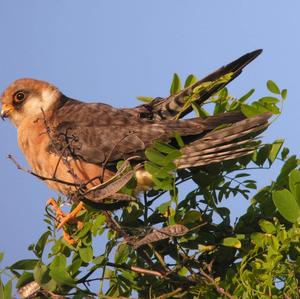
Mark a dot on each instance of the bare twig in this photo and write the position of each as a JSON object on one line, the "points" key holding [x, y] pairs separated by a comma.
{"points": [[219, 289], [10, 157], [135, 269], [169, 295]]}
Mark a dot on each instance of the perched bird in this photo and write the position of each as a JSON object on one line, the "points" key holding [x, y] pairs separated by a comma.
{"points": [[54, 129]]}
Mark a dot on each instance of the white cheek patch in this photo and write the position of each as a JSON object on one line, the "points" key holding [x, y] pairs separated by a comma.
{"points": [[35, 105]]}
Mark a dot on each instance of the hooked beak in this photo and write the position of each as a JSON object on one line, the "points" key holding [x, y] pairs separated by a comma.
{"points": [[6, 110]]}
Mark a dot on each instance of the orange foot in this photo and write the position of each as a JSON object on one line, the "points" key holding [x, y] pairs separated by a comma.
{"points": [[63, 219]]}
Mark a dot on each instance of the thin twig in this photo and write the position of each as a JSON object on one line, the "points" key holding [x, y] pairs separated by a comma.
{"points": [[10, 157], [219, 289], [136, 269], [169, 295]]}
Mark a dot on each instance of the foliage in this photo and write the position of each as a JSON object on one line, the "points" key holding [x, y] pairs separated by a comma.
{"points": [[170, 245]]}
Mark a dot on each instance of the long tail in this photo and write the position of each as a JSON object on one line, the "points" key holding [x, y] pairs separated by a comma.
{"points": [[224, 144], [172, 105]]}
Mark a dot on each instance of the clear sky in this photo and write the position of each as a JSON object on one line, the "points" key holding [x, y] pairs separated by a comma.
{"points": [[113, 51]]}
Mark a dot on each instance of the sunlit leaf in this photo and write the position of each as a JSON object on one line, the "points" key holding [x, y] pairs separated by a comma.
{"points": [[246, 96], [284, 94], [286, 204], [176, 84], [122, 253], [232, 242], [267, 226], [294, 184], [40, 245], [62, 277], [284, 153], [59, 262], [271, 85], [28, 264], [86, 254], [8, 290], [290, 164], [191, 79], [275, 149]]}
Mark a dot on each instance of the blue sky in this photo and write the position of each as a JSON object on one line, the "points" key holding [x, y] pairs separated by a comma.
{"points": [[112, 51]]}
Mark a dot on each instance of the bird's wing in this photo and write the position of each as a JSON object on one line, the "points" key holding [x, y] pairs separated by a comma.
{"points": [[97, 132]]}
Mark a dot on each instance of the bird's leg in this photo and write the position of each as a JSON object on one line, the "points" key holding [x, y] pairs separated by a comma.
{"points": [[62, 218], [71, 216]]}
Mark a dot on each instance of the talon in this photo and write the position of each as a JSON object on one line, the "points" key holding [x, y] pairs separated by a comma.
{"points": [[63, 218], [59, 213], [71, 215]]}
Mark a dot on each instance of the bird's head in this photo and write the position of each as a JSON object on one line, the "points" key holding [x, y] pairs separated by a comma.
{"points": [[27, 98]]}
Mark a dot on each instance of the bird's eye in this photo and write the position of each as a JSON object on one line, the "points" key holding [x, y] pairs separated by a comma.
{"points": [[19, 97]]}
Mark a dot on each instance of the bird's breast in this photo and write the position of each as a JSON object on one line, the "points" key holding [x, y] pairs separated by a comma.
{"points": [[34, 140]]}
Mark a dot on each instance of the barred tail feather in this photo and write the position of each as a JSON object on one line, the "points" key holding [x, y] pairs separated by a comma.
{"points": [[169, 107], [224, 144]]}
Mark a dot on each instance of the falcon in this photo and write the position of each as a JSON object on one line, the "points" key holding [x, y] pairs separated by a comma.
{"points": [[76, 142]]}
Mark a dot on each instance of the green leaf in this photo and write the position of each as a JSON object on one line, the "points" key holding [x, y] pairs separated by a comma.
{"points": [[164, 147], [40, 273], [290, 164], [84, 231], [191, 79], [8, 290], [262, 155], [145, 99], [232, 242], [271, 85], [200, 111], [1, 290], [1, 256], [248, 110], [40, 245], [258, 239], [179, 140], [246, 96], [62, 277], [241, 175], [100, 220], [59, 262], [122, 253], [163, 208], [267, 226], [99, 260], [42, 276], [275, 149], [155, 156], [284, 94], [155, 170], [86, 254], [286, 204], [25, 278], [268, 100], [176, 84], [24, 264], [192, 217], [284, 153], [294, 184], [76, 264]]}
